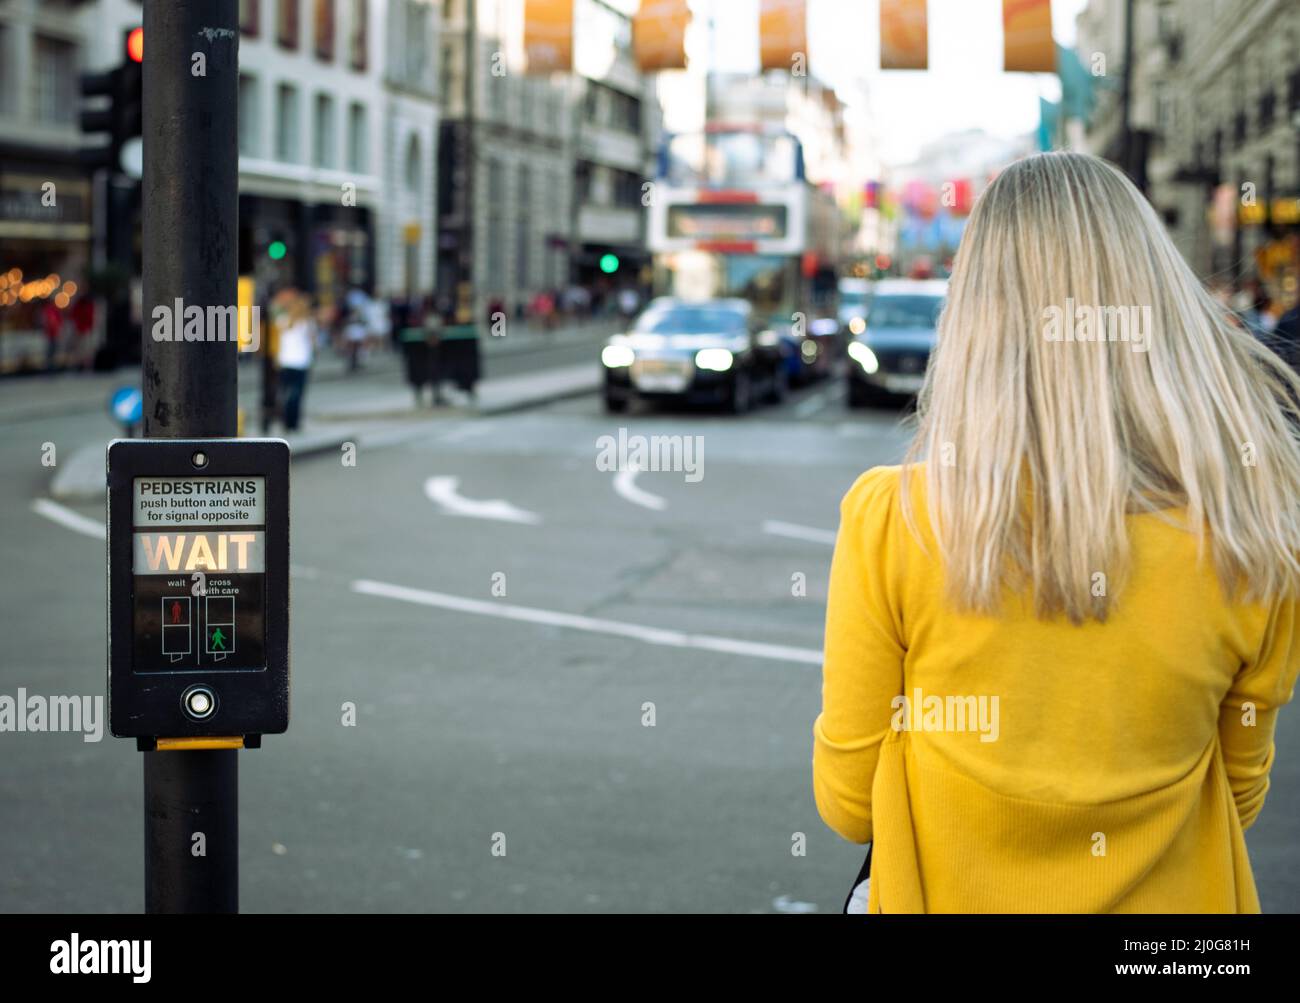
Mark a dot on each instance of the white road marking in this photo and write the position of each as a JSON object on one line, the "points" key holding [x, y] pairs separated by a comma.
{"points": [[69, 519], [442, 491], [593, 625], [786, 904], [625, 485], [797, 532], [810, 405]]}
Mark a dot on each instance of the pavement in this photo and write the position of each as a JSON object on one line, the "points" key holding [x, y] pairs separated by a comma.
{"points": [[611, 676]]}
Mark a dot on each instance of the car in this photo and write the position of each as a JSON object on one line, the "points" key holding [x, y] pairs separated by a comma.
{"points": [[855, 299], [889, 355], [699, 351]]}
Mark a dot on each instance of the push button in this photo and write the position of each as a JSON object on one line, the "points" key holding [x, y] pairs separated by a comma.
{"points": [[199, 702]]}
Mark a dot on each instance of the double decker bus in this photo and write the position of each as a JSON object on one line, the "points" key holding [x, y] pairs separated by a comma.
{"points": [[734, 216]]}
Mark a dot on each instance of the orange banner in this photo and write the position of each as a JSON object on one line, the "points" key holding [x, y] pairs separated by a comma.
{"points": [[548, 35], [1027, 45], [904, 35], [783, 35], [659, 35]]}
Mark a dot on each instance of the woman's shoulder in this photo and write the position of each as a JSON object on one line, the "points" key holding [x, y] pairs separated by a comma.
{"points": [[880, 489]]}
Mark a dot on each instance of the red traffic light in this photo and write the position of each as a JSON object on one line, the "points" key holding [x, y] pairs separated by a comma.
{"points": [[135, 45]]}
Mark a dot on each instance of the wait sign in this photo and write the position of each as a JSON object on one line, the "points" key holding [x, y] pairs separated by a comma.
{"points": [[198, 587]]}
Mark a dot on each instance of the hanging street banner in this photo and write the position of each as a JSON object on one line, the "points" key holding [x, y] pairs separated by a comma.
{"points": [[1027, 45], [659, 35], [783, 35], [548, 35], [904, 35]]}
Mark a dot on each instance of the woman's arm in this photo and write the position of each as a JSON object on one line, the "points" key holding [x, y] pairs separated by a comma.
{"points": [[863, 658], [1248, 713]]}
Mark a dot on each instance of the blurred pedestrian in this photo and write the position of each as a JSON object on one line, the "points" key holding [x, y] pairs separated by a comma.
{"points": [[296, 351], [52, 322], [1257, 309], [355, 334], [1077, 539], [83, 327], [1286, 336], [408, 323]]}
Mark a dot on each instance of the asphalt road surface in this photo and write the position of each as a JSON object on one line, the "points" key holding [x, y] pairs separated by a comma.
{"points": [[611, 677]]}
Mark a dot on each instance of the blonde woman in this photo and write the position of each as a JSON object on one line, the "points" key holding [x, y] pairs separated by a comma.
{"points": [[1057, 647]]}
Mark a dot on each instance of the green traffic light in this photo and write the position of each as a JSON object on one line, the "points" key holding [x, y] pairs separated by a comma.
{"points": [[609, 263], [277, 250]]}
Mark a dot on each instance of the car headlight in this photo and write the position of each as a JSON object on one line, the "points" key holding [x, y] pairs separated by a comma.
{"points": [[767, 337], [717, 360], [864, 356], [616, 356], [857, 325]]}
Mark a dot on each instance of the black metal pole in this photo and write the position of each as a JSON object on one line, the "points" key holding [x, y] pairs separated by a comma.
{"points": [[1127, 161], [190, 219], [465, 263]]}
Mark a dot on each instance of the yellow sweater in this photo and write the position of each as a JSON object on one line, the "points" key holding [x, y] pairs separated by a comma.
{"points": [[1040, 766]]}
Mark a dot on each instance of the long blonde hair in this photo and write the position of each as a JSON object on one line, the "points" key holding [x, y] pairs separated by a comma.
{"points": [[1038, 446]]}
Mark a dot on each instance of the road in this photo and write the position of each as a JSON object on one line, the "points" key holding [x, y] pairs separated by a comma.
{"points": [[611, 678]]}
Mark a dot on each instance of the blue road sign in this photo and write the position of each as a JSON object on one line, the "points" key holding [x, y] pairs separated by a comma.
{"points": [[127, 405]]}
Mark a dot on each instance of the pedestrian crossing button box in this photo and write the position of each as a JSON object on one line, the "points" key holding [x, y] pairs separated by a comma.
{"points": [[198, 588]]}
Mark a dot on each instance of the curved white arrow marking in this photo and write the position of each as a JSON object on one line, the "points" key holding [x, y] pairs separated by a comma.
{"points": [[442, 491], [625, 485]]}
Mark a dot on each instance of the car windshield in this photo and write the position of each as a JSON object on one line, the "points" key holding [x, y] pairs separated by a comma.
{"points": [[905, 311], [691, 320]]}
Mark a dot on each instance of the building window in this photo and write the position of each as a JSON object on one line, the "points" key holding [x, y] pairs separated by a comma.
{"points": [[250, 116], [286, 25], [325, 30], [414, 165], [357, 145], [417, 42], [55, 80], [323, 132], [358, 40], [1267, 104], [6, 85], [286, 123], [250, 17]]}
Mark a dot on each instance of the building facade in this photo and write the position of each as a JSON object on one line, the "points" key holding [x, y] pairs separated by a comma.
{"points": [[505, 196], [1213, 133], [617, 123], [45, 194]]}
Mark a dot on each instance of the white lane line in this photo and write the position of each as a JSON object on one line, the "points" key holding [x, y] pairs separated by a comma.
{"points": [[442, 491], [797, 532], [810, 405], [593, 625], [69, 519], [625, 485]]}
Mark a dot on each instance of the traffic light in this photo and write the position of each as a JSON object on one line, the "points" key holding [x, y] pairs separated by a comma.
{"points": [[121, 115], [609, 263]]}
